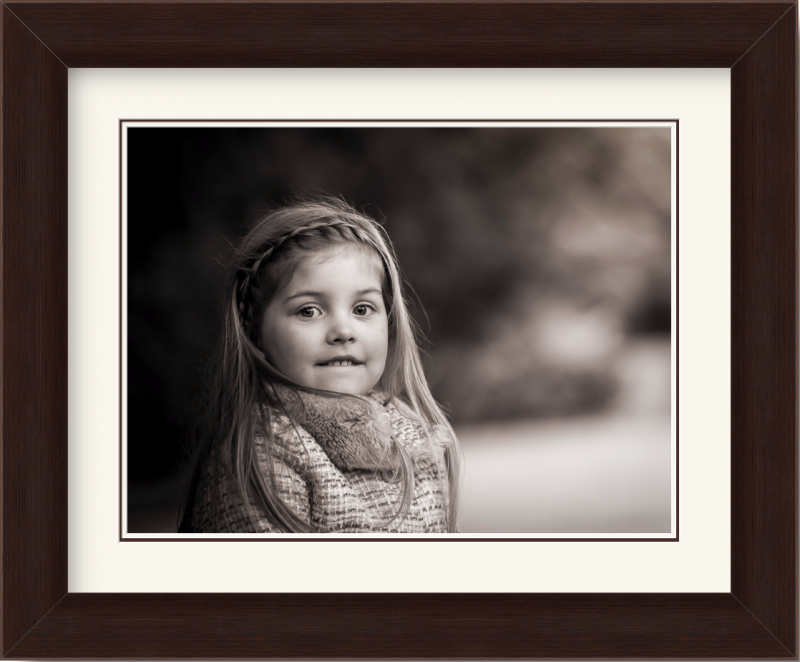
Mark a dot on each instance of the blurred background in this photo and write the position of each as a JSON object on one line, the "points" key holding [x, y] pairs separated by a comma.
{"points": [[539, 260]]}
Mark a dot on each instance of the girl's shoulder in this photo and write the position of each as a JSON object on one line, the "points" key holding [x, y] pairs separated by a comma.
{"points": [[393, 405], [409, 428]]}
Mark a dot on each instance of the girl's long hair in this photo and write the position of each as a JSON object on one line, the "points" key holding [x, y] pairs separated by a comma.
{"points": [[243, 379]]}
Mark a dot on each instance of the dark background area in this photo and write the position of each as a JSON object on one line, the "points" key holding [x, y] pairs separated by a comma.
{"points": [[538, 258]]}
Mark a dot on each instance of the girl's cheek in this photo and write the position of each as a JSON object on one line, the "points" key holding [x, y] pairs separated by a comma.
{"points": [[306, 335]]}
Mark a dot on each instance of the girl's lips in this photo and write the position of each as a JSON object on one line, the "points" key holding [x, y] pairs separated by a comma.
{"points": [[340, 363]]}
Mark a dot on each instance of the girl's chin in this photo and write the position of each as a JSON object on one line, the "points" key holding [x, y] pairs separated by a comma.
{"points": [[351, 387], [349, 390]]}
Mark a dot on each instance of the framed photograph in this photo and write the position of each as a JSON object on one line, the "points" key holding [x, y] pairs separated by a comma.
{"points": [[42, 618], [542, 261]]}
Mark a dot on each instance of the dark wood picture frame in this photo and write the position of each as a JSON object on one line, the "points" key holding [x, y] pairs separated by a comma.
{"points": [[41, 39]]}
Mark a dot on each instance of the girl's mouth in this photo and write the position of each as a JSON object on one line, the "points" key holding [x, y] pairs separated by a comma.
{"points": [[340, 362]]}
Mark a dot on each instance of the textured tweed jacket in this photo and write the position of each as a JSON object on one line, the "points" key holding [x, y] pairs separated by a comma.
{"points": [[333, 468]]}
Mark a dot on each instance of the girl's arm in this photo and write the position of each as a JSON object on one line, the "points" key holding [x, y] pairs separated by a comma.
{"points": [[290, 487]]}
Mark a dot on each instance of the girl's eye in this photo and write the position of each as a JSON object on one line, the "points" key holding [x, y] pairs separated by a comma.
{"points": [[363, 309], [309, 312]]}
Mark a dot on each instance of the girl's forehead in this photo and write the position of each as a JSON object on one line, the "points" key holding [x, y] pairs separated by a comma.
{"points": [[352, 261]]}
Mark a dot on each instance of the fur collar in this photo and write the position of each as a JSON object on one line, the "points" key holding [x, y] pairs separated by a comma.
{"points": [[355, 432]]}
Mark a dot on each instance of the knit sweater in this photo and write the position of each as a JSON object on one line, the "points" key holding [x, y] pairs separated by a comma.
{"points": [[333, 465]]}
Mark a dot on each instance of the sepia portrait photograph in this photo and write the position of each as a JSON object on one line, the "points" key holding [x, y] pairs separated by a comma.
{"points": [[457, 330]]}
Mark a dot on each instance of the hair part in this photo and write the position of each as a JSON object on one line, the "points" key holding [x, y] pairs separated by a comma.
{"points": [[264, 263]]}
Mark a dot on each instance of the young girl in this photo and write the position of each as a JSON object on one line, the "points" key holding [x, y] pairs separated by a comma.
{"points": [[320, 418]]}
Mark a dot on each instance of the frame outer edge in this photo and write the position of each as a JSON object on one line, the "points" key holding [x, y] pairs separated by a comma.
{"points": [[33, 330], [764, 387], [42, 567]]}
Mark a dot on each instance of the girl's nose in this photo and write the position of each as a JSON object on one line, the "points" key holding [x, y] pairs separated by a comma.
{"points": [[341, 330]]}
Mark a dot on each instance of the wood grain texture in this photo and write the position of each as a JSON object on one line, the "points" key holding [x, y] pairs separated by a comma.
{"points": [[764, 329], [355, 626], [33, 329], [39, 618], [384, 34]]}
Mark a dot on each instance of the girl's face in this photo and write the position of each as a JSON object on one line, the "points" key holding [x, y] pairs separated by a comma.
{"points": [[328, 328]]}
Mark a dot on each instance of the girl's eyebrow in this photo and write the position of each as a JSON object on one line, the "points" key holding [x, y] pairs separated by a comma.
{"points": [[310, 293], [304, 293]]}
